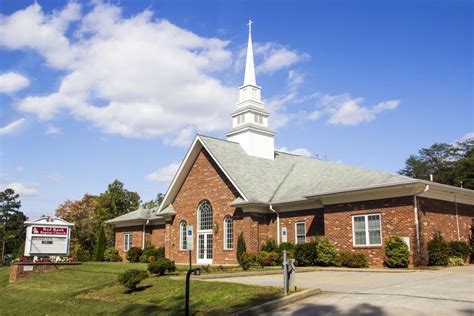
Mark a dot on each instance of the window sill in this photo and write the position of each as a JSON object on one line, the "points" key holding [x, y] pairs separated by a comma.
{"points": [[229, 249], [367, 247]]}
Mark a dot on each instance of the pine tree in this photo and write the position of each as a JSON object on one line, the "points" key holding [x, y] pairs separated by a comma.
{"points": [[101, 244], [241, 247]]}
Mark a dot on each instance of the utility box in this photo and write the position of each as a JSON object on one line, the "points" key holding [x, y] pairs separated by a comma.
{"points": [[47, 236]]}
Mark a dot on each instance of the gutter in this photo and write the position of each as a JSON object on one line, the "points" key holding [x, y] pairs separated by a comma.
{"points": [[415, 213], [278, 222], [143, 237]]}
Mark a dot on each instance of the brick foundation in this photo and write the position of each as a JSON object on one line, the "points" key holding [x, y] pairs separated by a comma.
{"points": [[22, 270]]}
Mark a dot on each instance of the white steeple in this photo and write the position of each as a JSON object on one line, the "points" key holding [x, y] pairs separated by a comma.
{"points": [[250, 120]]}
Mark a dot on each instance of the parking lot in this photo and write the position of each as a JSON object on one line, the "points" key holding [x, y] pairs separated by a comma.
{"points": [[442, 292]]}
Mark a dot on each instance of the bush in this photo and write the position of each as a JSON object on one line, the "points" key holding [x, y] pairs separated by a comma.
{"points": [[351, 260], [305, 254], [241, 248], [455, 261], [101, 244], [438, 251], [247, 260], [133, 255], [396, 252], [112, 255], [459, 249], [270, 246], [161, 266], [266, 259], [326, 252], [131, 278], [148, 252]]}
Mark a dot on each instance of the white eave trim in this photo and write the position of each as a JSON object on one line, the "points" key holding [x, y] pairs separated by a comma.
{"points": [[169, 196]]}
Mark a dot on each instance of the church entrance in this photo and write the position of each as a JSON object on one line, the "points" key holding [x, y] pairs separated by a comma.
{"points": [[204, 233]]}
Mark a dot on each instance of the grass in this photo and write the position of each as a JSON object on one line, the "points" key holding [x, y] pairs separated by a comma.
{"points": [[92, 289]]}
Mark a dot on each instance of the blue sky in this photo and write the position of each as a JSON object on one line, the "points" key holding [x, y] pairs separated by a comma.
{"points": [[91, 92]]}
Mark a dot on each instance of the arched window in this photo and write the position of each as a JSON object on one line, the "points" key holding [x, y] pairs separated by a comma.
{"points": [[182, 233], [205, 215], [228, 233]]}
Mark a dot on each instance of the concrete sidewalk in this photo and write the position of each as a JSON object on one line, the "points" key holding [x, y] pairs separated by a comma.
{"points": [[448, 291]]}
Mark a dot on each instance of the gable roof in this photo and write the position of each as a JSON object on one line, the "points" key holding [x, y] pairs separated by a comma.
{"points": [[139, 214]]}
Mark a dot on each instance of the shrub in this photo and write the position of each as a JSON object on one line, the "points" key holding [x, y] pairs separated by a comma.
{"points": [[112, 255], [326, 252], [396, 252], [270, 246], [438, 251], [266, 259], [133, 255], [101, 244], [152, 252], [241, 248], [305, 254], [351, 260], [455, 261], [247, 260], [131, 278], [459, 249], [162, 266]]}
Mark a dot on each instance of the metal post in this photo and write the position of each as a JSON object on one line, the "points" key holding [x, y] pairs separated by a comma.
{"points": [[188, 275], [190, 264], [285, 273]]}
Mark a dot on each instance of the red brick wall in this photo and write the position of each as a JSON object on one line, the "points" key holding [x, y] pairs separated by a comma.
{"points": [[396, 220], [137, 235], [314, 220], [155, 235], [436, 215], [204, 182]]}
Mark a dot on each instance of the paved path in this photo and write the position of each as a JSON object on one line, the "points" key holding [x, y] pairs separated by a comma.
{"points": [[445, 292]]}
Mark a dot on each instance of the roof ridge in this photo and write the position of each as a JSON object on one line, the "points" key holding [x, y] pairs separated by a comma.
{"points": [[282, 181]]}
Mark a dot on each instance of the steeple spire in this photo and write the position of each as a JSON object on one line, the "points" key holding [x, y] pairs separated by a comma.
{"points": [[249, 78]]}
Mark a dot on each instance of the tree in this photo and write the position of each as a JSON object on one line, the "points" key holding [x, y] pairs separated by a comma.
{"points": [[241, 247], [12, 229], [154, 203], [82, 214], [101, 244], [451, 164]]}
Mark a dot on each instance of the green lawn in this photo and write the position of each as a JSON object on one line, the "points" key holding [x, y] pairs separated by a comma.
{"points": [[92, 289]]}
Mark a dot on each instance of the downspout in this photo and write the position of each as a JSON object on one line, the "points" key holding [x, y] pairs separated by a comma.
{"points": [[415, 210], [143, 237], [457, 217], [278, 223]]}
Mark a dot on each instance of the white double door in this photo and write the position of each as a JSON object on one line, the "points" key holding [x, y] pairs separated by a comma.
{"points": [[204, 247]]}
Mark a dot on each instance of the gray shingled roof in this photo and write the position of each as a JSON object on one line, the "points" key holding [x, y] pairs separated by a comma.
{"points": [[140, 214], [290, 177]]}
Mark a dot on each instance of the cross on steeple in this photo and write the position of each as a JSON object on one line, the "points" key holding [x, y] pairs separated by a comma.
{"points": [[250, 25]]}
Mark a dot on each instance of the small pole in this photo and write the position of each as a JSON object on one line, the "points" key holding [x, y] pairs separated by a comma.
{"points": [[285, 273], [190, 264], [188, 275]]}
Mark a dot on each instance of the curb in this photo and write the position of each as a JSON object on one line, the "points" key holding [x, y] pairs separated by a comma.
{"points": [[275, 304]]}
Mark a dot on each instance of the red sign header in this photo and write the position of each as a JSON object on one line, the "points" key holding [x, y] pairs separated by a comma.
{"points": [[45, 230]]}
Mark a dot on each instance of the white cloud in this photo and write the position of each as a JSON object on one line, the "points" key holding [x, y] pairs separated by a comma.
{"points": [[295, 79], [12, 82], [11, 127], [19, 168], [183, 138], [342, 109], [164, 174], [23, 189], [276, 57], [136, 77], [52, 130], [297, 151], [55, 177], [469, 135]]}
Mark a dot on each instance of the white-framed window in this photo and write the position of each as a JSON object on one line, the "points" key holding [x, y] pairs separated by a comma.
{"points": [[258, 118], [205, 216], [300, 232], [228, 233], [367, 230], [127, 241], [182, 235]]}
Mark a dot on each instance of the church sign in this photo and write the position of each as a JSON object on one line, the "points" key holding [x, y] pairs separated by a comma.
{"points": [[47, 237]]}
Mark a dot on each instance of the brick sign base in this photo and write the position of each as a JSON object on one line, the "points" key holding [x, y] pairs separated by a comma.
{"points": [[20, 270]]}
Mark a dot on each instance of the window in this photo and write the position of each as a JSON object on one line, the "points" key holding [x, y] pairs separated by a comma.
{"points": [[205, 216], [367, 230], [228, 233], [300, 229], [182, 233], [127, 241], [258, 118], [241, 119]]}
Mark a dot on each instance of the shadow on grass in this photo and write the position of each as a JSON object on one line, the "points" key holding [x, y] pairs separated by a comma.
{"points": [[138, 289]]}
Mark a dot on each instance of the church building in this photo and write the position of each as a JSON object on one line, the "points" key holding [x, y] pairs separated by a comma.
{"points": [[241, 184]]}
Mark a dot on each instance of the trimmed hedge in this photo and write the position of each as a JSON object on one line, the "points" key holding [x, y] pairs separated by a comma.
{"points": [[133, 255], [459, 249], [326, 252], [351, 260], [396, 252], [112, 255], [162, 266], [306, 254], [247, 260], [131, 278], [151, 254], [438, 251]]}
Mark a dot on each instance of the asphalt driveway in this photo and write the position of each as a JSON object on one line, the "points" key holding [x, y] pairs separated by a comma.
{"points": [[448, 291]]}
